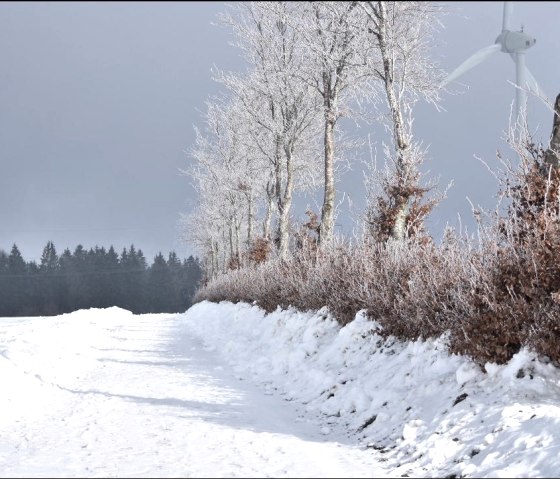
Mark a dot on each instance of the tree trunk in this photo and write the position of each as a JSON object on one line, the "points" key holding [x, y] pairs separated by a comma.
{"points": [[327, 213], [231, 245], [249, 219], [399, 227], [270, 195], [215, 259], [284, 212], [399, 135], [279, 177], [237, 227], [209, 265]]}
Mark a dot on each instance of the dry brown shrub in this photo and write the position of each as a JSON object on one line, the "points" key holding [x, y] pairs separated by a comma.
{"points": [[404, 285], [493, 297], [512, 303], [233, 263], [260, 250]]}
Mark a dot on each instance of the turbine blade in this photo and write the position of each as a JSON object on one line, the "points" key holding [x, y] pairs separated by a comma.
{"points": [[520, 93], [530, 82], [506, 19], [471, 62], [533, 84]]}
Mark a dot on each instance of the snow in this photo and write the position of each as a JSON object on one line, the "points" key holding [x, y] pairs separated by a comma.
{"points": [[423, 411], [225, 390]]}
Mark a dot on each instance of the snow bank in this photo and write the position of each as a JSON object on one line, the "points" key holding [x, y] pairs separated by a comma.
{"points": [[428, 412]]}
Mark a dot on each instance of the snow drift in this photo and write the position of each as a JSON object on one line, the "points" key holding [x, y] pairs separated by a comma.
{"points": [[427, 413]]}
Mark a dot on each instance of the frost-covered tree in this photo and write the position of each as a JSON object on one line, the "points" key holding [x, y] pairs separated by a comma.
{"points": [[203, 236], [335, 57], [405, 71], [280, 108], [226, 179]]}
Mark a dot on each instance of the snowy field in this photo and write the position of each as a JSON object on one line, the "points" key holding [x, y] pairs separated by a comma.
{"points": [[225, 391]]}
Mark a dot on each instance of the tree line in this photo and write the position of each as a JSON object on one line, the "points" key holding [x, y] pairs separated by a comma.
{"points": [[95, 278]]}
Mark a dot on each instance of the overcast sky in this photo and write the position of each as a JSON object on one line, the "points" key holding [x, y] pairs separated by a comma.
{"points": [[98, 103]]}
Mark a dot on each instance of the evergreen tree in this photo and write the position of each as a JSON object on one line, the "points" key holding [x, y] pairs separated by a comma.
{"points": [[133, 280], [77, 279], [18, 282], [176, 273], [66, 279], [111, 266], [192, 276], [13, 286], [50, 284], [159, 286], [16, 263], [4, 283], [34, 300], [3, 261], [98, 286], [49, 259]]}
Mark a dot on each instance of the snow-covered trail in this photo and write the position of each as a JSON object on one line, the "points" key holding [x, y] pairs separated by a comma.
{"points": [[106, 393]]}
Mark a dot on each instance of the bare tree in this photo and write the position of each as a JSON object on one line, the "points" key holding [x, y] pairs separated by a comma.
{"points": [[402, 33], [227, 182], [281, 109], [335, 61]]}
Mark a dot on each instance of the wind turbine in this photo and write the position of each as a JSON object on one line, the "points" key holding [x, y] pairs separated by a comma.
{"points": [[516, 43]]}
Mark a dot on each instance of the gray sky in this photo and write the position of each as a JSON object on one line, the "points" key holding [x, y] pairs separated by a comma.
{"points": [[98, 102]]}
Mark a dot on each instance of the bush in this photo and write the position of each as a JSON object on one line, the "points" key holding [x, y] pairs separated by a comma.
{"points": [[491, 298]]}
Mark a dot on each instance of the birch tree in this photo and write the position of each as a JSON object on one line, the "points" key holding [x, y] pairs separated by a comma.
{"points": [[281, 108], [403, 35], [336, 56], [226, 180]]}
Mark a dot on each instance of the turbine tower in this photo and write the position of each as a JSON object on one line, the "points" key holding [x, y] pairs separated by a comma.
{"points": [[516, 43]]}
